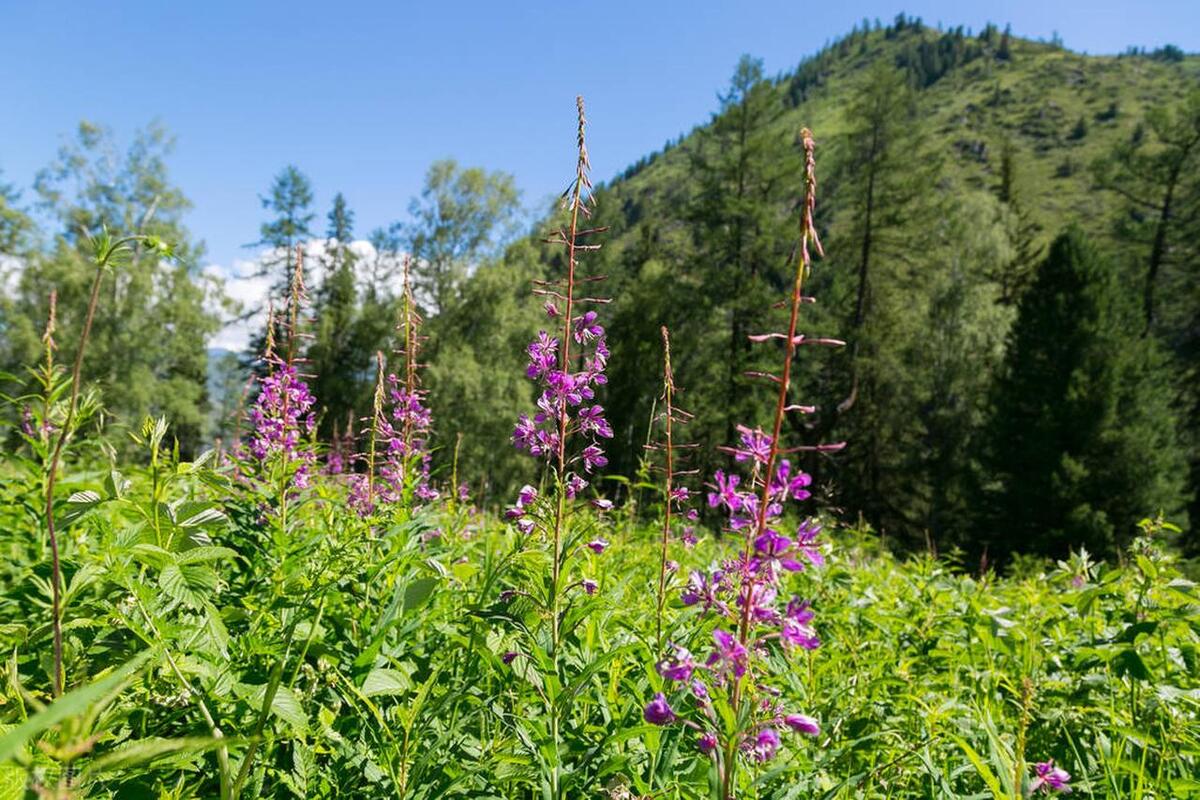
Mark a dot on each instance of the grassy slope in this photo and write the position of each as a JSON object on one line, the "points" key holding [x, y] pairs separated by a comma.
{"points": [[1033, 100]]}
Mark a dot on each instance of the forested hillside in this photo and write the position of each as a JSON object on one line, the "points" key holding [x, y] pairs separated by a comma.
{"points": [[949, 164]]}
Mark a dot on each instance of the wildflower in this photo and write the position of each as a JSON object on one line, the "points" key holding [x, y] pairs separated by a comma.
{"points": [[806, 536], [589, 585], [795, 629], [763, 746], [679, 666], [551, 309], [282, 413], [601, 504], [726, 493], [575, 485], [801, 723], [591, 420], [543, 355], [730, 654], [526, 496], [597, 545], [593, 457], [464, 492], [704, 589], [658, 711], [707, 742], [508, 657], [788, 485], [1050, 777], [755, 445], [679, 495], [525, 526], [772, 549]]}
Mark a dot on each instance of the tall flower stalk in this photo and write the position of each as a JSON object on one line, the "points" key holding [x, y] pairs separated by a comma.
{"points": [[106, 253], [400, 473], [568, 379], [568, 367], [675, 496], [737, 714]]}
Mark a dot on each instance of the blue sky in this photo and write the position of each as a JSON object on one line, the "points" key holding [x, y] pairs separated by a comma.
{"points": [[363, 96]]}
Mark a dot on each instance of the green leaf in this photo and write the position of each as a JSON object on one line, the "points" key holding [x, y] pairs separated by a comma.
{"points": [[386, 681], [71, 704], [1128, 662], [142, 751], [286, 706], [173, 583], [418, 592], [985, 772]]}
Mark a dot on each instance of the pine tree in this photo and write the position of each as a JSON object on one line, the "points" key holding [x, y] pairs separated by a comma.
{"points": [[887, 205], [339, 368], [1082, 438], [743, 168], [289, 200]]}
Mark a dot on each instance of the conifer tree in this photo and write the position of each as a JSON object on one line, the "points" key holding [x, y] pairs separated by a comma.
{"points": [[339, 368], [743, 166], [1082, 437]]}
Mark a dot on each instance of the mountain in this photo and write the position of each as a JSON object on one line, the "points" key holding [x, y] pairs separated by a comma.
{"points": [[947, 162]]}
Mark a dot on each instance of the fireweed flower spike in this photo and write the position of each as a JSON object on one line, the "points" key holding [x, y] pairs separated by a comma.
{"points": [[400, 429], [282, 415], [568, 365], [568, 429], [744, 592]]}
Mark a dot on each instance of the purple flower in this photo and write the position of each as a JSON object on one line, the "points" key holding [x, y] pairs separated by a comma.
{"points": [[806, 537], [729, 656], [551, 309], [658, 711], [763, 746], [526, 525], [526, 496], [726, 493], [575, 485], [699, 691], [1050, 777], [703, 589], [707, 742], [591, 420], [679, 666], [586, 328], [597, 545], [680, 495], [772, 549], [543, 355], [589, 585], [508, 657], [802, 723], [464, 492], [788, 485], [593, 457], [602, 504], [755, 445]]}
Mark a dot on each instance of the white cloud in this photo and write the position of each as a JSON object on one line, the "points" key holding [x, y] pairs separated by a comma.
{"points": [[10, 272], [243, 283]]}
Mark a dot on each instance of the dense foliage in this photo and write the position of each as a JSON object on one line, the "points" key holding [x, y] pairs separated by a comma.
{"points": [[328, 601]]}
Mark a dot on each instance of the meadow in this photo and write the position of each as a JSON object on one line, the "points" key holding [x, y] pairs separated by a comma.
{"points": [[282, 616]]}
